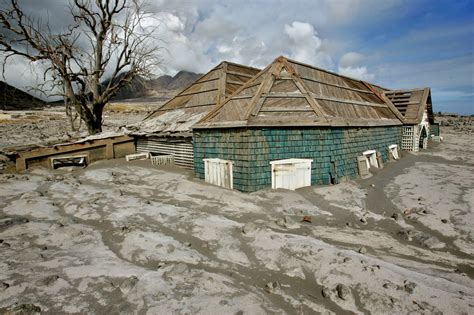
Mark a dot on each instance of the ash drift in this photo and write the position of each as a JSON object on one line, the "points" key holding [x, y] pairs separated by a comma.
{"points": [[119, 237]]}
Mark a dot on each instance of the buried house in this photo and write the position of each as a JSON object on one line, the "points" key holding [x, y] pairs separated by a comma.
{"points": [[167, 131], [416, 107], [294, 125]]}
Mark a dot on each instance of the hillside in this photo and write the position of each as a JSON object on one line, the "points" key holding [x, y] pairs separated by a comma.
{"points": [[162, 87], [12, 98]]}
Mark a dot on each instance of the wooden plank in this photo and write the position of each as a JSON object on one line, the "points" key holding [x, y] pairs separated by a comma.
{"points": [[240, 74], [197, 92], [285, 109]]}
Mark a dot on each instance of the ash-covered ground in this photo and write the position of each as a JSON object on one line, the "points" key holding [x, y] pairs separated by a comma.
{"points": [[121, 237]]}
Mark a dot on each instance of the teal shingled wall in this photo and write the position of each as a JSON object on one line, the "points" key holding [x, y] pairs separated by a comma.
{"points": [[334, 150]]}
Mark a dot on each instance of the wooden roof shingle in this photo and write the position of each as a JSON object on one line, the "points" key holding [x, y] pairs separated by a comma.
{"points": [[290, 93], [411, 103], [185, 109]]}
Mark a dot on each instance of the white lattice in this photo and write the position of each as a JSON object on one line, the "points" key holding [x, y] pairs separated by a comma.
{"points": [[162, 160], [408, 138]]}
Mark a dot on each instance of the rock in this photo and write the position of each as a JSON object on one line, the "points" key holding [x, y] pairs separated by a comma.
{"points": [[128, 284], [409, 286], [395, 216], [4, 286], [325, 292], [372, 185], [362, 250], [249, 227], [444, 220], [281, 222], [48, 280], [12, 221], [388, 285], [363, 220], [178, 270], [406, 234], [25, 309], [431, 242], [286, 222], [343, 291], [271, 286], [347, 259]]}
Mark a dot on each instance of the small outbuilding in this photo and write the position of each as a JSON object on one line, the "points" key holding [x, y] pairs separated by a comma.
{"points": [[416, 108], [167, 131], [294, 124]]}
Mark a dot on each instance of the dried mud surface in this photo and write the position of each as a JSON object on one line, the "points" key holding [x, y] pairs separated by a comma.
{"points": [[132, 238]]}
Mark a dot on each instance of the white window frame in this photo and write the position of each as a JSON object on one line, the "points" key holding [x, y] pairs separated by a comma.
{"points": [[371, 158]]}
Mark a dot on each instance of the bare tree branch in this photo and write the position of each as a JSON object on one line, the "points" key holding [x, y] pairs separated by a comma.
{"points": [[105, 42]]}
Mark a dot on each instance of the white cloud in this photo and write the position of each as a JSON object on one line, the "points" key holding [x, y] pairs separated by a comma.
{"points": [[350, 65], [360, 73], [306, 46], [351, 59]]}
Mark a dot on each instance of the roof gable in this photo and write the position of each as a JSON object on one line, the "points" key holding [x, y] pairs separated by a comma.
{"points": [[194, 102], [411, 103], [289, 93]]}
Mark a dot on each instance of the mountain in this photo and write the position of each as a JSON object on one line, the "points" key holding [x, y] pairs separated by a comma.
{"points": [[163, 87], [12, 98]]}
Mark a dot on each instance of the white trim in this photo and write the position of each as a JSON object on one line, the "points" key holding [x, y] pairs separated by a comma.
{"points": [[394, 150], [371, 158]]}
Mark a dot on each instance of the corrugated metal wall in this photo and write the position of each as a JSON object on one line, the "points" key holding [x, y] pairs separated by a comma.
{"points": [[181, 149]]}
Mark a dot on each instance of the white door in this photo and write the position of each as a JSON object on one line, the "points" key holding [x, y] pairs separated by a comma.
{"points": [[219, 172], [291, 173]]}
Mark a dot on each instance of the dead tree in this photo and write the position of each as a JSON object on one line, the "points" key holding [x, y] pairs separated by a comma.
{"points": [[107, 41]]}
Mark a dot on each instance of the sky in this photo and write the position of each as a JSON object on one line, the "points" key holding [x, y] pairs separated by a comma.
{"points": [[393, 43]]}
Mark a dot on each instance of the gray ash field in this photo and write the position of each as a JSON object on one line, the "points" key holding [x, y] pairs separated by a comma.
{"points": [[132, 238]]}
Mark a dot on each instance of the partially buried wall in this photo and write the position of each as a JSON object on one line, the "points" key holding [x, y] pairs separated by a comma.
{"points": [[94, 150], [334, 151]]}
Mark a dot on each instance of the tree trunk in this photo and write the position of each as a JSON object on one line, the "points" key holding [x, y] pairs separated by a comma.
{"points": [[94, 126]]}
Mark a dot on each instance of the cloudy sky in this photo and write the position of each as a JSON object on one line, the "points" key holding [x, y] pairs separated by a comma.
{"points": [[393, 43]]}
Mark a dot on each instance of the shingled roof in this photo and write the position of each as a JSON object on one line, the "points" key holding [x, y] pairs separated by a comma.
{"points": [[184, 110], [290, 93], [412, 103]]}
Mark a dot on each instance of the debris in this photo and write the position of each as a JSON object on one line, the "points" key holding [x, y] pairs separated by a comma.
{"points": [[343, 291], [444, 220], [409, 286], [286, 222], [362, 250], [307, 219], [49, 280], [249, 227], [270, 286], [13, 221], [325, 292], [128, 284], [177, 270], [4, 286], [25, 309], [395, 216], [406, 234]]}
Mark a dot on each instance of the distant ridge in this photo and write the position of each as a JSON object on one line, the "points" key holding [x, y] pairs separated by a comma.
{"points": [[12, 98], [165, 86]]}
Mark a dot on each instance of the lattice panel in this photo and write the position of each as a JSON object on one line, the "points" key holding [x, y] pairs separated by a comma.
{"points": [[408, 138]]}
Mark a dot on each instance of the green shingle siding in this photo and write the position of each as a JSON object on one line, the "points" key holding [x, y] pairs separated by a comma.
{"points": [[251, 150]]}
